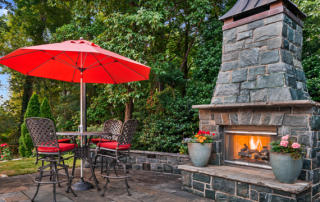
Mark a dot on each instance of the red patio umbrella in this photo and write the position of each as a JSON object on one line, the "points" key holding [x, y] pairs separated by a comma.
{"points": [[76, 61]]}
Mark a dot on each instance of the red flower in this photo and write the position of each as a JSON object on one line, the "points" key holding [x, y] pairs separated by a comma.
{"points": [[213, 134], [79, 138]]}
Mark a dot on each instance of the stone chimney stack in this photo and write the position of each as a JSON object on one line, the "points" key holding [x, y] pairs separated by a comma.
{"points": [[261, 58]]}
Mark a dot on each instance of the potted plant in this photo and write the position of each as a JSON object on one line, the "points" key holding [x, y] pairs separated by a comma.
{"points": [[286, 158], [199, 148]]}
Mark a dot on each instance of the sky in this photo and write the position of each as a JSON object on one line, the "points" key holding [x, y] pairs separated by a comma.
{"points": [[3, 78]]}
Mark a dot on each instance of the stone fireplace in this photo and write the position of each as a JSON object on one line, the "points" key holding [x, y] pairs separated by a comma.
{"points": [[260, 96]]}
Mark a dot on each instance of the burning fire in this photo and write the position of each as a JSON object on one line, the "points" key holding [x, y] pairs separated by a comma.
{"points": [[255, 143]]}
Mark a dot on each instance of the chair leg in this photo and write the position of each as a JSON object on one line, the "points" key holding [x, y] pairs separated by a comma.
{"points": [[94, 176], [106, 186], [125, 172], [95, 165], [70, 180], [101, 163], [54, 180], [74, 165], [57, 171], [38, 186]]}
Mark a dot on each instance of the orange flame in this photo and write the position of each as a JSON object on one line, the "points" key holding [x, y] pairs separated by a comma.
{"points": [[255, 143]]}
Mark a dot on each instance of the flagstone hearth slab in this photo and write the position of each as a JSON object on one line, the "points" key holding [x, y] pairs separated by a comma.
{"points": [[260, 177], [297, 103]]}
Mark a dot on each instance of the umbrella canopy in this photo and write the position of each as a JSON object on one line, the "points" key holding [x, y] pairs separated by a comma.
{"points": [[65, 61]]}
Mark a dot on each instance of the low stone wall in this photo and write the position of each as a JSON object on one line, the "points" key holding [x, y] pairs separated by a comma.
{"points": [[154, 161], [225, 184]]}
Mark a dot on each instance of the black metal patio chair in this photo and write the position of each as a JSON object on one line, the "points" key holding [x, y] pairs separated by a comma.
{"points": [[48, 149], [114, 128], [118, 150]]}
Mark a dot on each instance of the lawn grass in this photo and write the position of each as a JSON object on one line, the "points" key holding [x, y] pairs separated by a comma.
{"points": [[26, 166]]}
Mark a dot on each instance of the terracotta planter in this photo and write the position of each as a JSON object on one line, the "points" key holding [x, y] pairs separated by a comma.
{"points": [[200, 153], [285, 169]]}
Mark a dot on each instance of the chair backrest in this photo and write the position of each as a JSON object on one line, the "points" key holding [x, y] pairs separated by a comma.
{"points": [[42, 132], [128, 130], [112, 126]]}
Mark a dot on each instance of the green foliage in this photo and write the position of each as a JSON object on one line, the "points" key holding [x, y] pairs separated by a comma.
{"points": [[33, 110], [22, 150], [45, 110]]}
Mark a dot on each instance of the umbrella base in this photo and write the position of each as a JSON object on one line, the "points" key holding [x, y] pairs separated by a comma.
{"points": [[82, 185]]}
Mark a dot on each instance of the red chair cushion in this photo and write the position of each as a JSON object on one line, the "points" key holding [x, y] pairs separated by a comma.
{"points": [[96, 141], [64, 141], [113, 145], [63, 147]]}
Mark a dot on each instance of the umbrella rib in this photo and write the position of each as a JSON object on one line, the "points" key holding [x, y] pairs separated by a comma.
{"points": [[100, 65], [105, 70], [84, 62], [59, 60], [97, 60], [77, 60], [109, 75], [19, 55], [70, 59], [130, 68], [73, 74], [37, 67]]}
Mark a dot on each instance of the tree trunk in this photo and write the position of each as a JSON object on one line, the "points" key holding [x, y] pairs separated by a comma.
{"points": [[161, 87], [129, 106], [27, 93]]}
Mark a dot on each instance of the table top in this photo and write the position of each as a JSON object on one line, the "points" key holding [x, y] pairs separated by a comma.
{"points": [[84, 133]]}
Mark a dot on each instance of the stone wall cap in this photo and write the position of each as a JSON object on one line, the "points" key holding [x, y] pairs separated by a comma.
{"points": [[160, 153], [261, 177], [296, 103]]}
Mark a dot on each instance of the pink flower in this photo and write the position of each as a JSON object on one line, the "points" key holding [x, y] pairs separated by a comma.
{"points": [[295, 145], [284, 143], [285, 137], [2, 156]]}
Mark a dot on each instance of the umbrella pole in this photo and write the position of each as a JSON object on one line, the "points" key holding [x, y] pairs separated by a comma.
{"points": [[81, 117], [82, 185]]}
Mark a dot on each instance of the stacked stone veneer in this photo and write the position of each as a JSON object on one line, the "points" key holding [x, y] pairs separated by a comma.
{"points": [[153, 161], [229, 190], [302, 123], [261, 62]]}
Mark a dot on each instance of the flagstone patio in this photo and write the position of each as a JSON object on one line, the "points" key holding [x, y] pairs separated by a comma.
{"points": [[145, 186]]}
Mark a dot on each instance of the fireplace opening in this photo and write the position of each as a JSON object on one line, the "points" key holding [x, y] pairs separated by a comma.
{"points": [[249, 145]]}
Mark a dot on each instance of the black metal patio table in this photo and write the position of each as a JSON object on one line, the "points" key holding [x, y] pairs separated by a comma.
{"points": [[83, 152]]}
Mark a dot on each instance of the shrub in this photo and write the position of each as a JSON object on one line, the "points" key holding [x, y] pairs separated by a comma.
{"points": [[45, 110], [25, 141]]}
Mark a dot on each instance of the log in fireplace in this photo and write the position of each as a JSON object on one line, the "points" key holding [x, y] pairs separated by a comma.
{"points": [[249, 145]]}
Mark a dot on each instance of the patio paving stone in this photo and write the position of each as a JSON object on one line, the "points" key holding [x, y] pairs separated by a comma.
{"points": [[145, 187]]}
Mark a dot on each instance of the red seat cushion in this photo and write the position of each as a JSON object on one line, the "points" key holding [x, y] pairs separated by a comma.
{"points": [[113, 145], [64, 141], [63, 147], [96, 141]]}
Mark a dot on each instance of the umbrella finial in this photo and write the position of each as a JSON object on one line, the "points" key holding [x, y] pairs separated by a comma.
{"points": [[81, 38]]}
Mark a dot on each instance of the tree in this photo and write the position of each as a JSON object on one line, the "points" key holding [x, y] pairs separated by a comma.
{"points": [[45, 110], [33, 110]]}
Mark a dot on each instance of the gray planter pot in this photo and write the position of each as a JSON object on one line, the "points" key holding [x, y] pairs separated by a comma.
{"points": [[285, 169], [200, 153]]}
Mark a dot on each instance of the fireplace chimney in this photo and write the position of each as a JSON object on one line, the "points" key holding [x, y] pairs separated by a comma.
{"points": [[261, 56]]}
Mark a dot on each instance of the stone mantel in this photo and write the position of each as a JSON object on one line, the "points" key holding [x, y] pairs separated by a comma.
{"points": [[292, 103]]}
